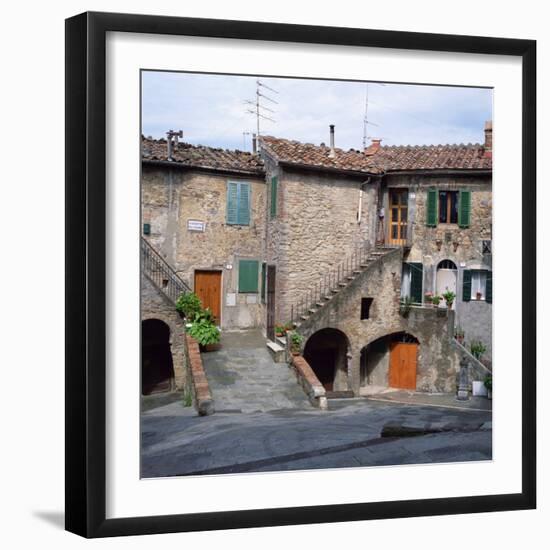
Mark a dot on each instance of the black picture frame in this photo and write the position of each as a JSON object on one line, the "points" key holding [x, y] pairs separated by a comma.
{"points": [[86, 275]]}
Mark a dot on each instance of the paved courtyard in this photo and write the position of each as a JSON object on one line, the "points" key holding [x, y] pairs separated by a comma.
{"points": [[263, 422]]}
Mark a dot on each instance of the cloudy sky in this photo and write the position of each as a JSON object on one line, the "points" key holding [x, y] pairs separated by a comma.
{"points": [[211, 110]]}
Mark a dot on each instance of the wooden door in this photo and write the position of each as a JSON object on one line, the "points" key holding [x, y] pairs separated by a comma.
{"points": [[208, 286], [270, 325], [403, 365], [398, 216]]}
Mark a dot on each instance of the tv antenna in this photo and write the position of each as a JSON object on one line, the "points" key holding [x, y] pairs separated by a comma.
{"points": [[258, 108], [366, 121]]}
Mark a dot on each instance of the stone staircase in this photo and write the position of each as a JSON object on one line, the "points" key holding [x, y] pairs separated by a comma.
{"points": [[335, 281]]}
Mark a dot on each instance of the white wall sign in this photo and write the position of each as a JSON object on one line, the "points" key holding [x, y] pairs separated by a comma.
{"points": [[231, 299], [196, 225]]}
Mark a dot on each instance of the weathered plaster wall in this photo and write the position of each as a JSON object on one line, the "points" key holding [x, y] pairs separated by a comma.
{"points": [[155, 306], [438, 361], [316, 227], [171, 197]]}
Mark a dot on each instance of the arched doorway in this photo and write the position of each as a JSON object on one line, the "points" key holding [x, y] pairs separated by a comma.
{"points": [[390, 361], [326, 352], [446, 279], [157, 369]]}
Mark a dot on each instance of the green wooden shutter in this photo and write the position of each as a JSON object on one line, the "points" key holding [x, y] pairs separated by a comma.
{"points": [[244, 204], [274, 184], [248, 275], [431, 208], [232, 196], [264, 281], [466, 285], [464, 209], [489, 288], [417, 276]]}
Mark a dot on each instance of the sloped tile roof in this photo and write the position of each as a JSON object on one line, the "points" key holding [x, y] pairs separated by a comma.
{"points": [[199, 156], [295, 152], [379, 159], [433, 157]]}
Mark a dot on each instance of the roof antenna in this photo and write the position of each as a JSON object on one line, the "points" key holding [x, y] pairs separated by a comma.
{"points": [[256, 107]]}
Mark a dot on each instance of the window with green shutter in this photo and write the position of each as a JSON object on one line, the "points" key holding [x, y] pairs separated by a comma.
{"points": [[464, 205], [238, 203], [248, 276], [274, 185], [431, 208], [417, 276], [466, 285]]}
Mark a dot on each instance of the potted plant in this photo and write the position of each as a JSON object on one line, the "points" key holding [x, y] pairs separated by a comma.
{"points": [[459, 334], [296, 343], [488, 383], [449, 297], [188, 305], [478, 348], [428, 297], [435, 300], [289, 326], [405, 306], [279, 330], [478, 295], [205, 332]]}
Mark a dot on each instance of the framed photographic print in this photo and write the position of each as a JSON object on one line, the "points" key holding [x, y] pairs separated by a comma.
{"points": [[298, 260]]}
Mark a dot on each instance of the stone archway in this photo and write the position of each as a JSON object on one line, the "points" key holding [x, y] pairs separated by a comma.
{"points": [[376, 361], [157, 368], [326, 351]]}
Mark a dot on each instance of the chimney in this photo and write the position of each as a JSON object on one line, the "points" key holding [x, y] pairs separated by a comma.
{"points": [[488, 145], [254, 143], [373, 147], [332, 153], [172, 141]]}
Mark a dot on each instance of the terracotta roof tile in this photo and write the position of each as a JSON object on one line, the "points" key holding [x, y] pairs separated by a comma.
{"points": [[378, 159], [200, 156], [295, 152]]}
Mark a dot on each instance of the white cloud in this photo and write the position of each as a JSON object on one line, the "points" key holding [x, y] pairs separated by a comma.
{"points": [[211, 110]]}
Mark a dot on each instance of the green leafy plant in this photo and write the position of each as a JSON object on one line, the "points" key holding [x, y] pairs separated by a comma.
{"points": [[428, 296], [204, 315], [296, 342], [204, 332], [279, 330], [478, 348], [405, 306], [189, 304], [449, 297], [187, 398], [436, 299], [488, 382], [289, 326]]}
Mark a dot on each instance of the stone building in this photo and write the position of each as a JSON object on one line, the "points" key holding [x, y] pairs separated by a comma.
{"points": [[333, 241]]}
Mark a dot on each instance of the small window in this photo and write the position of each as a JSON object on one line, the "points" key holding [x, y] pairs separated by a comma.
{"points": [[365, 307], [146, 228], [479, 284], [486, 247], [238, 203], [274, 184], [248, 276], [448, 207]]}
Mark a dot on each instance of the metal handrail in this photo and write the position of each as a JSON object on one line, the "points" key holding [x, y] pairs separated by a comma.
{"points": [[161, 273], [329, 282]]}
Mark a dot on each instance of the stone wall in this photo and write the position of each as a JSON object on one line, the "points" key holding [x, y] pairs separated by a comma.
{"points": [[463, 246], [155, 306], [172, 197], [438, 361], [316, 227]]}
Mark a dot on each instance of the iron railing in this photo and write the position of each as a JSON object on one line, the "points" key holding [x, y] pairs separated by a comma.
{"points": [[161, 273], [328, 285]]}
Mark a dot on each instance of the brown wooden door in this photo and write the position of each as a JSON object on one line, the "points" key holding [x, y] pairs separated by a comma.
{"points": [[270, 325], [403, 365], [208, 286], [398, 216]]}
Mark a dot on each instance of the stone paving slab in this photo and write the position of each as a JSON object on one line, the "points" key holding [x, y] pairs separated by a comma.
{"points": [[175, 444]]}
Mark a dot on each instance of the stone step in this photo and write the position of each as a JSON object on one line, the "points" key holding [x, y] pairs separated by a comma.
{"points": [[357, 272], [277, 351], [281, 340], [343, 285], [304, 317], [312, 311], [350, 278]]}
